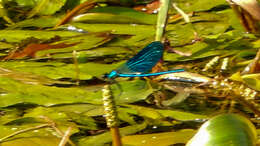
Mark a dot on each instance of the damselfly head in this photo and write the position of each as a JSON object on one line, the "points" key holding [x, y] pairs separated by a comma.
{"points": [[111, 75]]}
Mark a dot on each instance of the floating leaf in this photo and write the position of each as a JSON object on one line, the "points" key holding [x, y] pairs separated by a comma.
{"points": [[101, 139], [29, 78], [17, 93], [162, 139], [57, 70], [19, 35], [158, 114], [121, 15], [41, 22], [78, 43]]}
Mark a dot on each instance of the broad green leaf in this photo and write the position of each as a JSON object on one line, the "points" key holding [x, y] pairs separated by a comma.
{"points": [[56, 70], [84, 55], [136, 35], [16, 93], [126, 114], [86, 109], [82, 113], [82, 42], [104, 138], [132, 91], [33, 141], [121, 15], [201, 5], [128, 29], [233, 20], [225, 44], [41, 22], [29, 78], [10, 115], [35, 137], [64, 118], [26, 3], [162, 139], [46, 112], [182, 115], [203, 24], [46, 7], [4, 45], [160, 114], [19, 35], [252, 80]]}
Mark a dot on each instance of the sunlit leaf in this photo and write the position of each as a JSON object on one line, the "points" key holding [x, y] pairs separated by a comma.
{"points": [[101, 139], [158, 114], [121, 15], [16, 92], [201, 5], [46, 7], [162, 139], [18, 35]]}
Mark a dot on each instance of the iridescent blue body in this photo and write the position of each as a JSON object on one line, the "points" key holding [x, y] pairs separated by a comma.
{"points": [[141, 63]]}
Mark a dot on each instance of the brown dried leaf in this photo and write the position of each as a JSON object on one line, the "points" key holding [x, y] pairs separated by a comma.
{"points": [[149, 8], [31, 49]]}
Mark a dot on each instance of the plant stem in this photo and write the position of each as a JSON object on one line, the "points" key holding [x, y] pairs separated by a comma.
{"points": [[162, 19], [65, 137], [116, 136]]}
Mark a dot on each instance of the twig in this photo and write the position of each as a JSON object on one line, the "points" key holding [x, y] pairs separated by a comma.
{"points": [[187, 20], [25, 130], [65, 137], [184, 15], [53, 125]]}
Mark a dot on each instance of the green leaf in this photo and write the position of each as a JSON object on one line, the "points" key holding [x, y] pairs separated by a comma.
{"points": [[56, 70], [46, 7], [33, 141], [15, 92], [161, 114], [82, 42], [252, 80], [139, 35], [26, 3], [104, 138], [201, 5], [19, 35], [42, 22], [162, 139], [121, 15]]}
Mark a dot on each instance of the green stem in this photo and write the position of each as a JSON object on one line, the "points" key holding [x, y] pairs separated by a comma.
{"points": [[162, 19]]}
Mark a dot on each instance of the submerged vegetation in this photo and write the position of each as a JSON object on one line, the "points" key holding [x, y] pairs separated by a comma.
{"points": [[54, 54]]}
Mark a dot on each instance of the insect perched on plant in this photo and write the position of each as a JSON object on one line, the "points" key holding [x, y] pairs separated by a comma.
{"points": [[141, 63]]}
